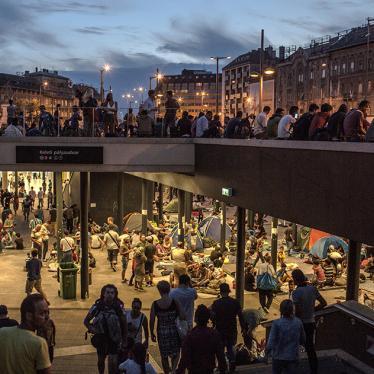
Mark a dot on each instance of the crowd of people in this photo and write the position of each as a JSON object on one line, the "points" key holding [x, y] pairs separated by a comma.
{"points": [[90, 118]]}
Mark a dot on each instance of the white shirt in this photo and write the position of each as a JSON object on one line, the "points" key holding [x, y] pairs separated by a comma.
{"points": [[202, 124], [111, 238], [131, 367], [12, 131], [67, 244], [261, 122], [284, 126], [149, 106]]}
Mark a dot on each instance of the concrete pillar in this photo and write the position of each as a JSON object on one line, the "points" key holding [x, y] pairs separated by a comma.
{"points": [[353, 271], [250, 219], [4, 180], [84, 188], [240, 256], [16, 181], [274, 242], [181, 218], [160, 203], [121, 201], [54, 188], [223, 227], [150, 195], [59, 209], [144, 207], [294, 234], [188, 196]]}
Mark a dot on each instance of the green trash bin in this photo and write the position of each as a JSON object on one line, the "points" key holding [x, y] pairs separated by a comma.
{"points": [[67, 275]]}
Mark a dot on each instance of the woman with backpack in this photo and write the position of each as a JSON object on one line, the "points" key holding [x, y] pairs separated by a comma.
{"points": [[266, 283]]}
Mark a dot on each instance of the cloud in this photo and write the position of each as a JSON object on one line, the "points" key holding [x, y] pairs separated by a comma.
{"points": [[48, 6], [202, 40], [91, 30], [133, 60], [16, 25]]}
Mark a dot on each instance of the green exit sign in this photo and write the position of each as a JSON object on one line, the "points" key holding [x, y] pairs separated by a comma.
{"points": [[227, 192]]}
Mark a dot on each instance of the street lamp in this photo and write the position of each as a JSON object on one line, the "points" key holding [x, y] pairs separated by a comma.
{"points": [[141, 90], [103, 69], [42, 85], [158, 76], [217, 59]]}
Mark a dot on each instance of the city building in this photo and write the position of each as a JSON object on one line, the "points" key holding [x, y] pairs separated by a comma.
{"points": [[195, 90], [332, 69], [32, 89], [240, 91]]}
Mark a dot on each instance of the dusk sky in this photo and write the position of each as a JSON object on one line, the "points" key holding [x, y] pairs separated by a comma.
{"points": [[137, 36]]}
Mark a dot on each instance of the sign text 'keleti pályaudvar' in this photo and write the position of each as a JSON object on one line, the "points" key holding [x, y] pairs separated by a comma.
{"points": [[58, 155]]}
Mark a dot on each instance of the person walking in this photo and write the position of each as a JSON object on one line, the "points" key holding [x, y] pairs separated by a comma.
{"points": [[266, 283], [224, 316], [34, 278], [125, 250], [137, 322], [286, 336], [40, 198], [22, 351], [106, 320], [304, 298], [166, 310], [201, 347], [111, 241], [37, 241], [186, 296]]}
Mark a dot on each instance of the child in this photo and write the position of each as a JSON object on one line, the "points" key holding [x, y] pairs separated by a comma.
{"points": [[19, 241]]}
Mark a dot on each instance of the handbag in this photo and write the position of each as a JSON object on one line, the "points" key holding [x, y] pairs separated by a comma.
{"points": [[266, 282]]}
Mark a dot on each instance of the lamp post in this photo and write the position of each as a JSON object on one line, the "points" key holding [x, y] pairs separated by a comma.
{"points": [[217, 59], [105, 68], [43, 85], [267, 71], [158, 76]]}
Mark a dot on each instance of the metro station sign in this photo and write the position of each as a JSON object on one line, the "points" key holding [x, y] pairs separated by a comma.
{"points": [[58, 155]]}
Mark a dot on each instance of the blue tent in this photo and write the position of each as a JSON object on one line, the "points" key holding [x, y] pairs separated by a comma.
{"points": [[210, 227], [187, 238], [321, 246]]}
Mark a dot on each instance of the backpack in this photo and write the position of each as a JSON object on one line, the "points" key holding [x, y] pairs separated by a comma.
{"points": [[300, 129], [107, 322], [266, 282]]}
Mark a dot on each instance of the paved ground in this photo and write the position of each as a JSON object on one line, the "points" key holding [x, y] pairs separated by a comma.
{"points": [[73, 353]]}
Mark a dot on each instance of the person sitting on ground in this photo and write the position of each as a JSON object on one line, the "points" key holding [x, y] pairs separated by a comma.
{"points": [[19, 241], [5, 321]]}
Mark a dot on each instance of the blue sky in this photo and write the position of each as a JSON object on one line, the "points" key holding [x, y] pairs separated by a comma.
{"points": [[138, 35]]}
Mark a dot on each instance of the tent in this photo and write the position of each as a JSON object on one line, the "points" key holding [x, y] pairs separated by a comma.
{"points": [[306, 237], [187, 238], [133, 221], [321, 246], [172, 207], [210, 227]]}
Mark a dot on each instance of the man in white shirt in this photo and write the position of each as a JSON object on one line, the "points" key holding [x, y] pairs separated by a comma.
{"points": [[149, 105], [67, 245], [285, 123], [202, 124], [260, 124], [112, 243]]}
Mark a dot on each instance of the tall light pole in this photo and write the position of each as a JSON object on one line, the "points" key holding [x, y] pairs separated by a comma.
{"points": [[43, 85], [369, 20], [261, 90], [217, 59], [158, 76], [105, 68]]}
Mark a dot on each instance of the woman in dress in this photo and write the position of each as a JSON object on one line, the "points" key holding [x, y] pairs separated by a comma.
{"points": [[166, 310]]}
